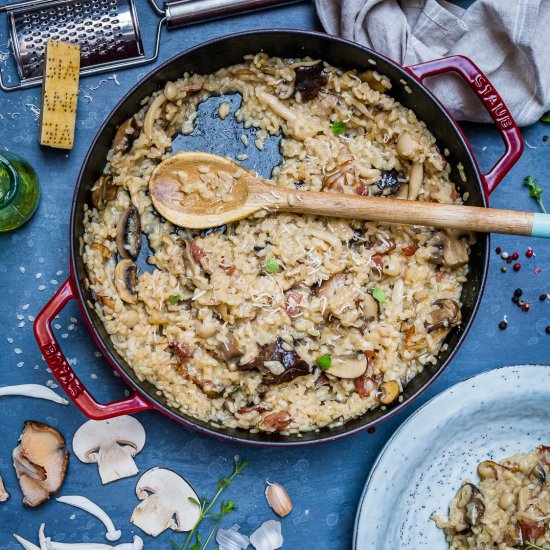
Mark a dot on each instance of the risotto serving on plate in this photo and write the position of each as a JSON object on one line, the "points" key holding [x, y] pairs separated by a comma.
{"points": [[508, 509], [280, 322]]}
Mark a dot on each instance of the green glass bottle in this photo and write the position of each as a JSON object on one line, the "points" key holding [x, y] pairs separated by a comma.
{"points": [[19, 191]]}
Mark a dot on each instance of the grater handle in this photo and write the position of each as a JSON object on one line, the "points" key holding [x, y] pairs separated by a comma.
{"points": [[183, 12]]}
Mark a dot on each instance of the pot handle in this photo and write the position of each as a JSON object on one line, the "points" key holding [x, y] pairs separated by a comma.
{"points": [[492, 101], [63, 371]]}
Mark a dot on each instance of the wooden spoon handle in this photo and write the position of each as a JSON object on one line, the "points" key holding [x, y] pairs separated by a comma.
{"points": [[471, 218]]}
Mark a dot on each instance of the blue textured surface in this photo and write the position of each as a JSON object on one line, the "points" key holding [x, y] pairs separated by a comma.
{"points": [[324, 482]]}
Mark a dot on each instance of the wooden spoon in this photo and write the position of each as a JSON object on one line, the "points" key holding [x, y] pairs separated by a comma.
{"points": [[176, 191]]}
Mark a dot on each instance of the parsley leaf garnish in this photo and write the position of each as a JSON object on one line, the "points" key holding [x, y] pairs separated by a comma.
{"points": [[534, 191], [338, 127]]}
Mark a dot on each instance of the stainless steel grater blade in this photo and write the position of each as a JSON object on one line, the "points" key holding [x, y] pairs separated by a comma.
{"points": [[107, 30]]}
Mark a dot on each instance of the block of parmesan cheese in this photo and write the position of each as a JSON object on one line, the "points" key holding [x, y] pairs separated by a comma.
{"points": [[59, 94]]}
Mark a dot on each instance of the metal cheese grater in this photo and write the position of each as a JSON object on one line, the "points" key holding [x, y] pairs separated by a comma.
{"points": [[106, 30]]}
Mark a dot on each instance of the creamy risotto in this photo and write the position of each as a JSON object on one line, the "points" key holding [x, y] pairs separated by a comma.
{"points": [[280, 323], [508, 509]]}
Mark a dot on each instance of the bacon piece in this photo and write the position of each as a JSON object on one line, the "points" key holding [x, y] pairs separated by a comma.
{"points": [[531, 531], [276, 422], [183, 351], [365, 385], [197, 252], [292, 302], [229, 269], [410, 250], [257, 408]]}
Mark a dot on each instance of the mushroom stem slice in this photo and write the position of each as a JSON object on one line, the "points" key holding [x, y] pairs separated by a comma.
{"points": [[112, 444], [26, 544], [350, 365], [33, 390], [164, 494], [87, 505], [40, 462]]}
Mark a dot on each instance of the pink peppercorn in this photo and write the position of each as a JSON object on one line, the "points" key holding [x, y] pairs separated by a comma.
{"points": [[526, 307], [517, 266], [498, 250], [529, 252], [515, 256]]}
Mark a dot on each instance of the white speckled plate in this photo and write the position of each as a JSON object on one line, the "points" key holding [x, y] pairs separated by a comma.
{"points": [[492, 415]]}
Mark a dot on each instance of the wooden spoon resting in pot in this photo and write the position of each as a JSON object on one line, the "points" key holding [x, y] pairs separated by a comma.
{"points": [[199, 190]]}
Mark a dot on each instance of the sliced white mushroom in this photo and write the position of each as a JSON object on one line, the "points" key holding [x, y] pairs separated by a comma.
{"points": [[406, 145], [26, 544], [40, 462], [348, 366], [4, 495], [268, 536], [112, 444], [415, 180], [87, 505], [152, 115], [33, 390], [299, 126], [164, 494], [46, 543]]}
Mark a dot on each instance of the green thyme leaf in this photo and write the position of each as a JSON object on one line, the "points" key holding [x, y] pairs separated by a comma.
{"points": [[324, 362], [379, 295], [174, 299], [534, 191], [338, 127], [194, 501], [545, 117]]}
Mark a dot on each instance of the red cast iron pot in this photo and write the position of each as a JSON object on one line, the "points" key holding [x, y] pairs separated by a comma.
{"points": [[227, 51]]}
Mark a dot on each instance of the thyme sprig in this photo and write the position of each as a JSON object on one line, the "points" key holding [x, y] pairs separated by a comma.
{"points": [[532, 546], [205, 506], [535, 191]]}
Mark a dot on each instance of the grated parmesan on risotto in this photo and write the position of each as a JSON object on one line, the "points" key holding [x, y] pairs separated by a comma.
{"points": [[508, 509], [281, 322]]}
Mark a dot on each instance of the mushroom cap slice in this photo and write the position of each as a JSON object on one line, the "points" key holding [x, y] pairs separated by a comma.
{"points": [[350, 365], [40, 462], [128, 234], [126, 280], [165, 503], [4, 495], [112, 444]]}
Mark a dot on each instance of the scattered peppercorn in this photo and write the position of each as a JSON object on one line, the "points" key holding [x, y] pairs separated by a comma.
{"points": [[518, 292], [498, 250], [526, 307], [521, 303], [509, 260], [515, 299], [504, 269], [545, 138], [543, 297], [517, 266], [515, 256], [504, 255], [537, 270], [503, 325], [548, 329], [529, 252]]}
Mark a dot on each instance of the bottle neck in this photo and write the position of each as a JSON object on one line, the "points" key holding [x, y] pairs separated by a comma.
{"points": [[8, 182]]}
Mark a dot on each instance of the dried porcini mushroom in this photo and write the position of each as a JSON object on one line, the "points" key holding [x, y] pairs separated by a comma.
{"points": [[344, 174], [40, 462], [112, 444], [327, 289], [452, 247], [103, 191], [445, 315], [4, 495], [475, 508], [125, 135], [128, 234], [229, 349], [389, 392], [374, 81], [538, 474], [276, 364], [126, 281], [389, 183], [168, 502], [310, 80]]}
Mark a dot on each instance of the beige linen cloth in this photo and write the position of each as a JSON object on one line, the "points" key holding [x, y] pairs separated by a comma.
{"points": [[508, 39]]}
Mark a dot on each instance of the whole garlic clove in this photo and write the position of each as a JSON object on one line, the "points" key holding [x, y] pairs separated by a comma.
{"points": [[278, 499]]}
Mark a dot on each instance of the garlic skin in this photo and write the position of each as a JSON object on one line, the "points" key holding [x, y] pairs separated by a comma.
{"points": [[268, 536], [278, 499]]}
